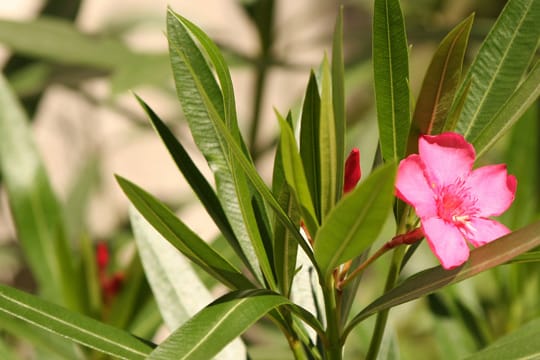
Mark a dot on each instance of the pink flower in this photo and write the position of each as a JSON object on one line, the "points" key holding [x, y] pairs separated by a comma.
{"points": [[352, 171], [453, 201]]}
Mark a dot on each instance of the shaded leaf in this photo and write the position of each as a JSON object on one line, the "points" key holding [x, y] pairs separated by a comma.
{"points": [[391, 76], [74, 326], [440, 84], [309, 141], [356, 220], [520, 344], [35, 209], [338, 100]]}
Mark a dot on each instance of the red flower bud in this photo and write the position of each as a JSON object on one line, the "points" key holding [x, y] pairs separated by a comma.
{"points": [[352, 171], [102, 256]]}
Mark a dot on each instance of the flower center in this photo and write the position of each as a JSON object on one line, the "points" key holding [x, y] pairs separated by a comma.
{"points": [[456, 204]]}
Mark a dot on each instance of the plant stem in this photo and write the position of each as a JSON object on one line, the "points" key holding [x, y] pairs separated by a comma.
{"points": [[409, 238], [382, 316], [334, 349], [260, 81]]}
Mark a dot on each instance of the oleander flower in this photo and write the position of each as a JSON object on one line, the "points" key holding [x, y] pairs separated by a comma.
{"points": [[352, 171], [454, 202]]}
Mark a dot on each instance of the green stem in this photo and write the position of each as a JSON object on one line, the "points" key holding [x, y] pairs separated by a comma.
{"points": [[382, 316], [333, 350]]}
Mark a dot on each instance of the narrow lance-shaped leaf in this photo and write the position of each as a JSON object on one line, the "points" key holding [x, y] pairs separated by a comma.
{"points": [[309, 141], [482, 258], [215, 326], [225, 319], [285, 246], [515, 106], [327, 146], [391, 71], [202, 103], [500, 64], [356, 221], [182, 238], [440, 84], [35, 209], [179, 292], [295, 176], [338, 100], [72, 325], [196, 180], [520, 344]]}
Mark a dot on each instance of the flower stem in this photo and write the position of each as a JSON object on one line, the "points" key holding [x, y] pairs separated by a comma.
{"points": [[408, 238]]}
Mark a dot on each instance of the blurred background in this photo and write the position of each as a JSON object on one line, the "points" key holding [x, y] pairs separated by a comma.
{"points": [[75, 63]]}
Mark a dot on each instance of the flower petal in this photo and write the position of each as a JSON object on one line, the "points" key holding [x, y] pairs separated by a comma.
{"points": [[494, 189], [446, 242], [413, 187], [484, 231], [447, 157]]}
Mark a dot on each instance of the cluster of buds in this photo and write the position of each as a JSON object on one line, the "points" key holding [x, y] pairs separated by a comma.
{"points": [[110, 284]]}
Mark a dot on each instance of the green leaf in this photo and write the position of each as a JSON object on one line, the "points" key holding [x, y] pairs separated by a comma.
{"points": [[71, 325], [391, 76], [179, 292], [327, 144], [509, 113], [285, 247], [195, 179], [338, 100], [35, 209], [500, 64], [59, 41], [295, 176], [55, 347], [309, 141], [523, 145], [440, 84], [531, 256], [483, 258], [182, 238], [203, 106], [215, 326], [519, 344], [356, 221]]}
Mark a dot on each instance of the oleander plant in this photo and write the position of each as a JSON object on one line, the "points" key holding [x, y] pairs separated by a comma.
{"points": [[324, 251]]}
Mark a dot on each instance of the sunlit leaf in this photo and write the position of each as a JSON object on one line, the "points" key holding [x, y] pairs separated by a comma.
{"points": [[74, 326], [500, 64], [509, 112], [182, 238], [295, 176], [205, 334], [356, 221], [179, 292], [327, 144], [483, 258]]}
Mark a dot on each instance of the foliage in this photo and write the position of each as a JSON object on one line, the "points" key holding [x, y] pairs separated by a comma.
{"points": [[302, 231]]}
